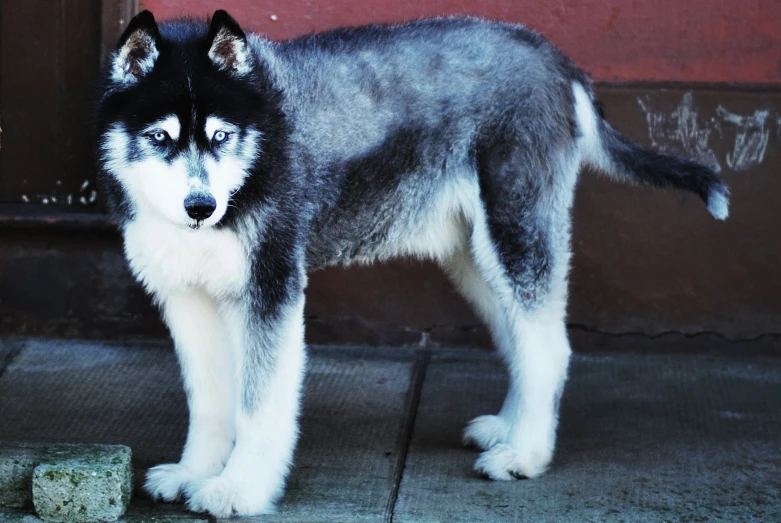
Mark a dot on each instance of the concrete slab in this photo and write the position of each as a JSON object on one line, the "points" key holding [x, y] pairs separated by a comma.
{"points": [[642, 438], [353, 433], [355, 424], [96, 392], [145, 516]]}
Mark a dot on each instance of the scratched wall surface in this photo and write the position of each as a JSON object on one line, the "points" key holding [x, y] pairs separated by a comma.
{"points": [[654, 261]]}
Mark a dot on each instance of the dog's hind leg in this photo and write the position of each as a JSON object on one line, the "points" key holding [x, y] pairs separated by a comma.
{"points": [[206, 361], [537, 358], [488, 430], [518, 441], [515, 275]]}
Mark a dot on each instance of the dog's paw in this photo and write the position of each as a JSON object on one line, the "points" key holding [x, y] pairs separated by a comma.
{"points": [[168, 482], [503, 463], [484, 432], [223, 497]]}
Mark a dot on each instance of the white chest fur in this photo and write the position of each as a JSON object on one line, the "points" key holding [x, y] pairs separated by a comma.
{"points": [[167, 258]]}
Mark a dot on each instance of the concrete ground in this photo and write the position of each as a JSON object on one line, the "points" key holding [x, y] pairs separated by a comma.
{"points": [[642, 437]]}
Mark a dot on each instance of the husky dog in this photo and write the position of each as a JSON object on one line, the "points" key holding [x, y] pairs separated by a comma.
{"points": [[234, 165]]}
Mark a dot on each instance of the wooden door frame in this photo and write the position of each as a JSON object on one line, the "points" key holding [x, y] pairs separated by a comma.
{"points": [[115, 15]]}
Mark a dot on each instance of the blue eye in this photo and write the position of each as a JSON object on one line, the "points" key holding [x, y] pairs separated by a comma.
{"points": [[160, 137], [220, 137]]}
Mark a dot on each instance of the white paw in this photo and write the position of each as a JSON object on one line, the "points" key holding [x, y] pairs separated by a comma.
{"points": [[486, 431], [223, 497], [503, 463], [168, 482]]}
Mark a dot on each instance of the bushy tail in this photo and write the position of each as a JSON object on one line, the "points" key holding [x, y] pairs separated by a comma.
{"points": [[607, 151]]}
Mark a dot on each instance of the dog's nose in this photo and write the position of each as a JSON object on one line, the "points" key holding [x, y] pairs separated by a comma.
{"points": [[199, 206]]}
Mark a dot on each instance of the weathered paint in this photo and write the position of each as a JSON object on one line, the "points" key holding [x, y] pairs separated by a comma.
{"points": [[681, 130], [616, 40], [646, 261], [743, 138], [751, 138]]}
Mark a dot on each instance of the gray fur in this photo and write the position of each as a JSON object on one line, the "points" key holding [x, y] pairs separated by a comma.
{"points": [[390, 115]]}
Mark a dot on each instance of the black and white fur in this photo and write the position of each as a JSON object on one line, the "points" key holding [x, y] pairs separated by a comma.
{"points": [[234, 165]]}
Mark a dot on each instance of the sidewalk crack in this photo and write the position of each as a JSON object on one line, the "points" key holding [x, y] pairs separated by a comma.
{"points": [[591, 330], [413, 402], [15, 348]]}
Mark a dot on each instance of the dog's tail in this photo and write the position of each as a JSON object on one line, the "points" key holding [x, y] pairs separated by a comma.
{"points": [[605, 150]]}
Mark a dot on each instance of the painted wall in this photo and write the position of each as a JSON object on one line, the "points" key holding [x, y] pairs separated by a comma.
{"points": [[615, 40]]}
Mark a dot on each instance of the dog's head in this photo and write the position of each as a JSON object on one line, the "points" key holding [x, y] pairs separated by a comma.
{"points": [[181, 118]]}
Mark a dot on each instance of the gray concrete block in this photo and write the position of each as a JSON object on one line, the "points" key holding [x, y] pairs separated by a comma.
{"points": [[17, 464], [90, 483]]}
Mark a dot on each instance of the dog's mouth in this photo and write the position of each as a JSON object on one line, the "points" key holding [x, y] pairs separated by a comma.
{"points": [[195, 225]]}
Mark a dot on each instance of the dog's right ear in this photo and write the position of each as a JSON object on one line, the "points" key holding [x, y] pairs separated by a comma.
{"points": [[137, 50]]}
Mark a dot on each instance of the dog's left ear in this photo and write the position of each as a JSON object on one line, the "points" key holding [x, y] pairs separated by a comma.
{"points": [[228, 48]]}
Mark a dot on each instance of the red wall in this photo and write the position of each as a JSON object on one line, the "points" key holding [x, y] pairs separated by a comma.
{"points": [[615, 40]]}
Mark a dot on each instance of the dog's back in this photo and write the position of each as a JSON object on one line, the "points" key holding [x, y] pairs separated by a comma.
{"points": [[350, 89], [395, 120], [386, 118]]}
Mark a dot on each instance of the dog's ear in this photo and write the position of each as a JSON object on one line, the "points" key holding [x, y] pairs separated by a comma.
{"points": [[137, 50], [228, 48]]}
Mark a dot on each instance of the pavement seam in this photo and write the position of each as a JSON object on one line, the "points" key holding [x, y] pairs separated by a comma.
{"points": [[413, 403], [591, 330], [15, 349]]}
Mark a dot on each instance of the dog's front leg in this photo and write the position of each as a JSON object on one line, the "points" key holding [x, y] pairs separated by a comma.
{"points": [[268, 335], [205, 358]]}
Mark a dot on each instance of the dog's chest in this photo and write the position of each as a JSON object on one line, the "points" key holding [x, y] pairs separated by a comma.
{"points": [[167, 259]]}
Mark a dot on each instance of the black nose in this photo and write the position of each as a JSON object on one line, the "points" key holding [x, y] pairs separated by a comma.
{"points": [[199, 206]]}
